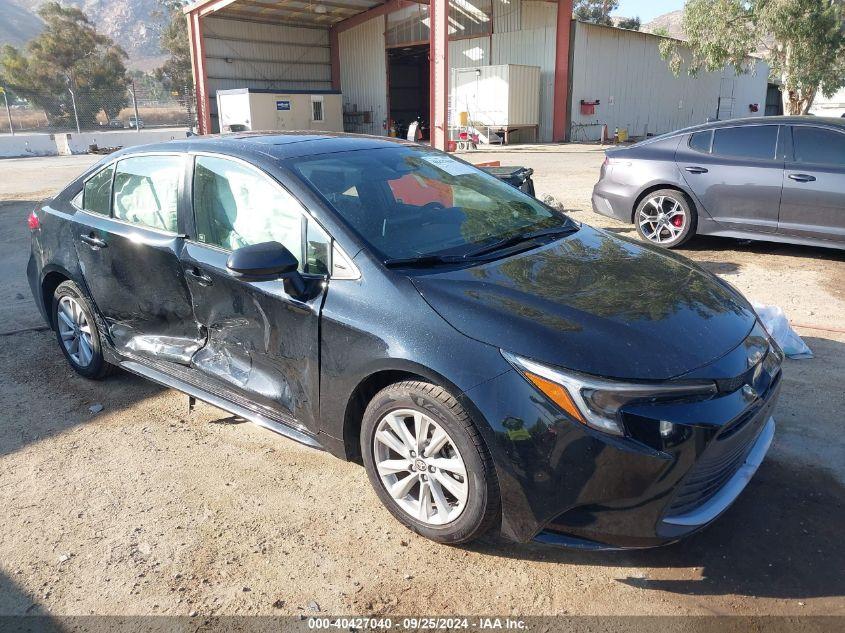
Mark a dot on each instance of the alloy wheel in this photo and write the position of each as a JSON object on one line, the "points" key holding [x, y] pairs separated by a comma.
{"points": [[75, 331], [420, 467], [662, 219]]}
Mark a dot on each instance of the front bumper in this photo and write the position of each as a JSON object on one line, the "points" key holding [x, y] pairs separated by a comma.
{"points": [[727, 494], [565, 484]]}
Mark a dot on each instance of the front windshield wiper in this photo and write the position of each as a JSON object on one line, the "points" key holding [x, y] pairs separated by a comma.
{"points": [[514, 240], [423, 260], [520, 238]]}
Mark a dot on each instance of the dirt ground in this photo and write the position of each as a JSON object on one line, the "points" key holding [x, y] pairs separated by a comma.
{"points": [[147, 509]]}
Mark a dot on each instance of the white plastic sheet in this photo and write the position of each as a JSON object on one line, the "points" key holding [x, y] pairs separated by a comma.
{"points": [[774, 320]]}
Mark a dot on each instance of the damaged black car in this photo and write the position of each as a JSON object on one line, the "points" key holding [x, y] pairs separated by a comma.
{"points": [[492, 363]]}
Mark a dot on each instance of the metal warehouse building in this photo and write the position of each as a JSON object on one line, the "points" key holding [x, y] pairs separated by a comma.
{"points": [[399, 60]]}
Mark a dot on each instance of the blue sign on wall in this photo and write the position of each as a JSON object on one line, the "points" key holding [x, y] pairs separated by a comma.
{"points": [[283, 105]]}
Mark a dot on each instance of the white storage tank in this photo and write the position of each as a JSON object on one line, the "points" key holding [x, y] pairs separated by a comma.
{"points": [[503, 96], [248, 109]]}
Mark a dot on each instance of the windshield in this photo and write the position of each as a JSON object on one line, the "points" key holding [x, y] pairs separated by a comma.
{"points": [[412, 202]]}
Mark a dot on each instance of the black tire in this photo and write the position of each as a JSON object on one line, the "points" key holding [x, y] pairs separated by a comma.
{"points": [[482, 508], [97, 368], [663, 237]]}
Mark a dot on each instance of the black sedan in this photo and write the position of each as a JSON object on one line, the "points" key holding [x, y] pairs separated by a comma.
{"points": [[491, 362], [780, 179]]}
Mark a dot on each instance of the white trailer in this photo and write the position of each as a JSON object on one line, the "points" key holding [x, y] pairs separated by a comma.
{"points": [[248, 109], [497, 100]]}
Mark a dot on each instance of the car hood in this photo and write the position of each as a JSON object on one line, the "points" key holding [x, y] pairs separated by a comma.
{"points": [[595, 303]]}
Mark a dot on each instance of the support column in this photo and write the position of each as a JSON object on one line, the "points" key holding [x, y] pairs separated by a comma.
{"points": [[560, 125], [334, 46], [439, 72], [197, 44]]}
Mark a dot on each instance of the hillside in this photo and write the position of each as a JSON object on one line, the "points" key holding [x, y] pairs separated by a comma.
{"points": [[17, 24], [130, 23], [671, 22]]}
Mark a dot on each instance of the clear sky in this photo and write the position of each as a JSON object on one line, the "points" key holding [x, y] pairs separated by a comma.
{"points": [[647, 9]]}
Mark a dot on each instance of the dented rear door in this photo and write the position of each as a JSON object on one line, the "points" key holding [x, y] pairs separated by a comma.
{"points": [[130, 260]]}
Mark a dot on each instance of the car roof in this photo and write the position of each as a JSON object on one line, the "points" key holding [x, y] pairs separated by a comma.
{"points": [[766, 120], [278, 145], [757, 120]]}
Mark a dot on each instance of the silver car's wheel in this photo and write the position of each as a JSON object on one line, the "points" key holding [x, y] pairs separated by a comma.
{"points": [[665, 218], [420, 466], [75, 331], [662, 219]]}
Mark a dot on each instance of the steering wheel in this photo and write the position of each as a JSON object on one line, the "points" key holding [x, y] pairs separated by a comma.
{"points": [[433, 206]]}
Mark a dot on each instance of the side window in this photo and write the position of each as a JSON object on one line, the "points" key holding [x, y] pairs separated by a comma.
{"points": [[701, 141], [316, 108], [750, 141], [817, 145], [317, 250], [96, 195], [146, 191], [236, 206]]}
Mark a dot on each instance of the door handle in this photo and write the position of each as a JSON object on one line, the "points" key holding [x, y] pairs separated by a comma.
{"points": [[201, 277], [802, 177], [696, 170], [93, 241]]}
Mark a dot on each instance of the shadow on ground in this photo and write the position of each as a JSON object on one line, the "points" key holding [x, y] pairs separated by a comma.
{"points": [[33, 366], [782, 539], [714, 243]]}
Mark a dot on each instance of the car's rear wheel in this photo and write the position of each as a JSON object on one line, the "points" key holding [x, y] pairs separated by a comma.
{"points": [[76, 332], [666, 218], [428, 463]]}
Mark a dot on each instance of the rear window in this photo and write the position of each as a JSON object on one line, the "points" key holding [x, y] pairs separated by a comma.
{"points": [[700, 141], [96, 196], [751, 141], [146, 190], [817, 145]]}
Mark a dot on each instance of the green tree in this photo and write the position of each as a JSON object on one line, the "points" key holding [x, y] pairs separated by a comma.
{"points": [[595, 11], [631, 24], [803, 40], [68, 55], [176, 74]]}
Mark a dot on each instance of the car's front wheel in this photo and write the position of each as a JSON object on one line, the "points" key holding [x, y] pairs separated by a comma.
{"points": [[428, 463], [666, 218], [77, 332]]}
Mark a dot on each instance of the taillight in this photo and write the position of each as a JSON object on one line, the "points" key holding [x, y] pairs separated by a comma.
{"points": [[33, 222]]}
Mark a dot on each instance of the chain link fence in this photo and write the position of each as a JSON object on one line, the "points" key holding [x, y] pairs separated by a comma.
{"points": [[96, 110]]}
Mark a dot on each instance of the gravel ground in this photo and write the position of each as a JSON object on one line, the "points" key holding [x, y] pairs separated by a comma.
{"points": [[147, 509]]}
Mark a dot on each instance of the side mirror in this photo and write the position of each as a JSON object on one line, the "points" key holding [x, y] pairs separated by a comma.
{"points": [[266, 261]]}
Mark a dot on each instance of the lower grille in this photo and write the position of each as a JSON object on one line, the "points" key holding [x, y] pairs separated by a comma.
{"points": [[716, 466]]}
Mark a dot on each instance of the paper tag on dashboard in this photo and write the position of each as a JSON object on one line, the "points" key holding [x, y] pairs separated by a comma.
{"points": [[449, 165]]}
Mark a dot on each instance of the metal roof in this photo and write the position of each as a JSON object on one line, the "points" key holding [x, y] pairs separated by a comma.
{"points": [[321, 13]]}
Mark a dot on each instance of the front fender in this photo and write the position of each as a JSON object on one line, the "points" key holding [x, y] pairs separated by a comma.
{"points": [[365, 332]]}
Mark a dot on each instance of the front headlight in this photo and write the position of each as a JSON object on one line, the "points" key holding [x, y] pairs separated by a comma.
{"points": [[596, 402]]}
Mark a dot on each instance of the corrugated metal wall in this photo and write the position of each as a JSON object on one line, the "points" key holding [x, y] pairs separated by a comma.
{"points": [[624, 70], [471, 52], [507, 15], [363, 71], [243, 54], [531, 41]]}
